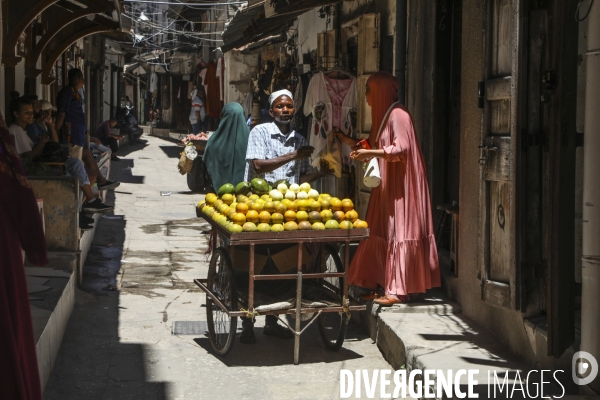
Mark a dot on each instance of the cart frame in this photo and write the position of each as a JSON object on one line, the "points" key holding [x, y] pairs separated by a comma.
{"points": [[288, 237]]}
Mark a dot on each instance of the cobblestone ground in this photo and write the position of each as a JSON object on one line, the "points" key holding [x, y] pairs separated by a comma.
{"points": [[138, 282]]}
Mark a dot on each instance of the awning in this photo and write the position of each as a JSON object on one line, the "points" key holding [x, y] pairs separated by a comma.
{"points": [[249, 25]]}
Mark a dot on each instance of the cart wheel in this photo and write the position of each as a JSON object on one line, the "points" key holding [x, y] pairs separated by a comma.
{"points": [[195, 178], [221, 327], [332, 326]]}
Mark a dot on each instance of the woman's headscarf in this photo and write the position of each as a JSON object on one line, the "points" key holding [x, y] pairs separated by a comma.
{"points": [[384, 92], [225, 153]]}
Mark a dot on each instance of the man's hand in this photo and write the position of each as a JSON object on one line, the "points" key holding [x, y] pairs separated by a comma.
{"points": [[304, 152], [351, 142]]}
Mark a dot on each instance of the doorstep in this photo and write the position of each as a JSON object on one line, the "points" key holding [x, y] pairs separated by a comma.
{"points": [[431, 333], [52, 306]]}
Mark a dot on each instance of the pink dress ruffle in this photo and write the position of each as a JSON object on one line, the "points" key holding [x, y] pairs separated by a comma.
{"points": [[400, 254]]}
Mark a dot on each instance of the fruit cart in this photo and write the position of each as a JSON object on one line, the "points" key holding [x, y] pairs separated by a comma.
{"points": [[224, 303]]}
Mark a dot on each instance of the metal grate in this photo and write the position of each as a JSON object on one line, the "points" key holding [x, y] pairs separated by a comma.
{"points": [[194, 327]]}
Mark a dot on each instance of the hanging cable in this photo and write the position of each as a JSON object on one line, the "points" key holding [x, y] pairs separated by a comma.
{"points": [[586, 14]]}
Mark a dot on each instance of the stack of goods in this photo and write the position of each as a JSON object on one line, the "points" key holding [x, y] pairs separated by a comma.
{"points": [[191, 136], [257, 206]]}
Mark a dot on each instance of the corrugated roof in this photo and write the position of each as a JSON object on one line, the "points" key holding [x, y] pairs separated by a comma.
{"points": [[249, 25]]}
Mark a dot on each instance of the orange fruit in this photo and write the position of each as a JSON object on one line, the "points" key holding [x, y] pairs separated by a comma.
{"points": [[347, 205], [241, 208], [304, 226], [264, 227], [332, 224], [252, 216], [346, 225], [339, 216], [336, 204], [281, 208], [352, 216], [292, 205], [301, 216], [318, 226], [303, 204], [290, 215], [290, 226], [277, 228], [223, 208], [360, 224], [257, 206], [269, 206], [314, 216], [227, 198], [276, 218], [326, 215], [249, 227], [239, 219], [218, 203], [264, 217], [314, 205], [325, 204]]}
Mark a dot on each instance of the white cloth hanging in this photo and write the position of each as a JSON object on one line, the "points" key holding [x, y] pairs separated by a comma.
{"points": [[247, 105], [318, 103], [153, 82]]}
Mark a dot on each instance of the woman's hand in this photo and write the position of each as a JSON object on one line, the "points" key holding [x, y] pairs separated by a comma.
{"points": [[361, 154]]}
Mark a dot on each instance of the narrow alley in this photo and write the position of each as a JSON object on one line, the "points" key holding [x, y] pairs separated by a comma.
{"points": [[138, 285]]}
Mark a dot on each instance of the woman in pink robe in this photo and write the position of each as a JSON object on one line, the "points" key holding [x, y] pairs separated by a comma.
{"points": [[400, 255]]}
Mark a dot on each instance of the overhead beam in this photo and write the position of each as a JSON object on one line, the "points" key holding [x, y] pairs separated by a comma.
{"points": [[47, 68], [8, 52], [57, 27]]}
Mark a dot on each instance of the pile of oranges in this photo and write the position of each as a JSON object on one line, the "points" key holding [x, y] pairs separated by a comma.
{"points": [[308, 210]]}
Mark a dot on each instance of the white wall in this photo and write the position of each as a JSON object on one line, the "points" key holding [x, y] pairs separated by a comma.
{"points": [[239, 70], [309, 25]]}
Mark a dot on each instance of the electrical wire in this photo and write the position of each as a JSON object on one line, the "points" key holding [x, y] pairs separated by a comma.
{"points": [[188, 4], [586, 14]]}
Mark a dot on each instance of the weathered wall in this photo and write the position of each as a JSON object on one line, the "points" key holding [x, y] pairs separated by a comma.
{"points": [[241, 69], [507, 325], [61, 209]]}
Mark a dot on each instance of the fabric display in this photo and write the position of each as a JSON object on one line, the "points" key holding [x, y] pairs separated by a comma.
{"points": [[214, 105], [332, 103]]}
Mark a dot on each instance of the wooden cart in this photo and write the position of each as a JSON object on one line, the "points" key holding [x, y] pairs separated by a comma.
{"points": [[224, 304]]}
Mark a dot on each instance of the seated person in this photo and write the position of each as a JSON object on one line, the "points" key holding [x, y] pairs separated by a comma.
{"points": [[275, 151], [22, 110], [102, 135]]}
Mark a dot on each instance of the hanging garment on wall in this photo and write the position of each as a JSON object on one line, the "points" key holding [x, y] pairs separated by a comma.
{"points": [[247, 105], [332, 102], [153, 82], [214, 105], [202, 81]]}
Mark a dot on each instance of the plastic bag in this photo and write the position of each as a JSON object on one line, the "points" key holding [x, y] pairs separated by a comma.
{"points": [[332, 154]]}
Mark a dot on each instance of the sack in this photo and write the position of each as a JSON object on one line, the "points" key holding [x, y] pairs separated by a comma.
{"points": [[372, 176], [186, 159], [53, 152]]}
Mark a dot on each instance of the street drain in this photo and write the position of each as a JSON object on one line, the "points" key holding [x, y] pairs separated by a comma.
{"points": [[194, 327]]}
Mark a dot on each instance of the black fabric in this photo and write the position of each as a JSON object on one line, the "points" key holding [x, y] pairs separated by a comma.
{"points": [[53, 152], [112, 143]]}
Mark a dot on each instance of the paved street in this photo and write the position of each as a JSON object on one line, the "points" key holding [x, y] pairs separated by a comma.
{"points": [[119, 343]]}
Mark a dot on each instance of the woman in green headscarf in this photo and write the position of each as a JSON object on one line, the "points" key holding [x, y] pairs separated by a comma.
{"points": [[225, 153]]}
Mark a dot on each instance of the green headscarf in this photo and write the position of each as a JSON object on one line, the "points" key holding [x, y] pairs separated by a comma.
{"points": [[225, 153]]}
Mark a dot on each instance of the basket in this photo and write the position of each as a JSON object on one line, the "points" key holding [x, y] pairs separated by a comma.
{"points": [[185, 164]]}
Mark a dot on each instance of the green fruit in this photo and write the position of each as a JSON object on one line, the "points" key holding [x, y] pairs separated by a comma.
{"points": [[242, 188], [332, 224], [259, 186], [225, 189], [318, 226]]}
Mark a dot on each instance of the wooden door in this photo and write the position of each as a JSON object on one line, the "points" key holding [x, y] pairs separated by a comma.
{"points": [[499, 160]]}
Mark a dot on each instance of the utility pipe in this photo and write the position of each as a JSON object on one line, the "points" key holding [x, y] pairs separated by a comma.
{"points": [[400, 59], [590, 298]]}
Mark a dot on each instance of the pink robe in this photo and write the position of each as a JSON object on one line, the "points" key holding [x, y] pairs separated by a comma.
{"points": [[400, 254]]}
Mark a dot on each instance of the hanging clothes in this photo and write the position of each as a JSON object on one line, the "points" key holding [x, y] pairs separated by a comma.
{"points": [[332, 103], [247, 105], [20, 228], [213, 100], [221, 75], [153, 82]]}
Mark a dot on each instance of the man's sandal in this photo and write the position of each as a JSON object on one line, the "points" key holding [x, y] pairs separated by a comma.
{"points": [[278, 331]]}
